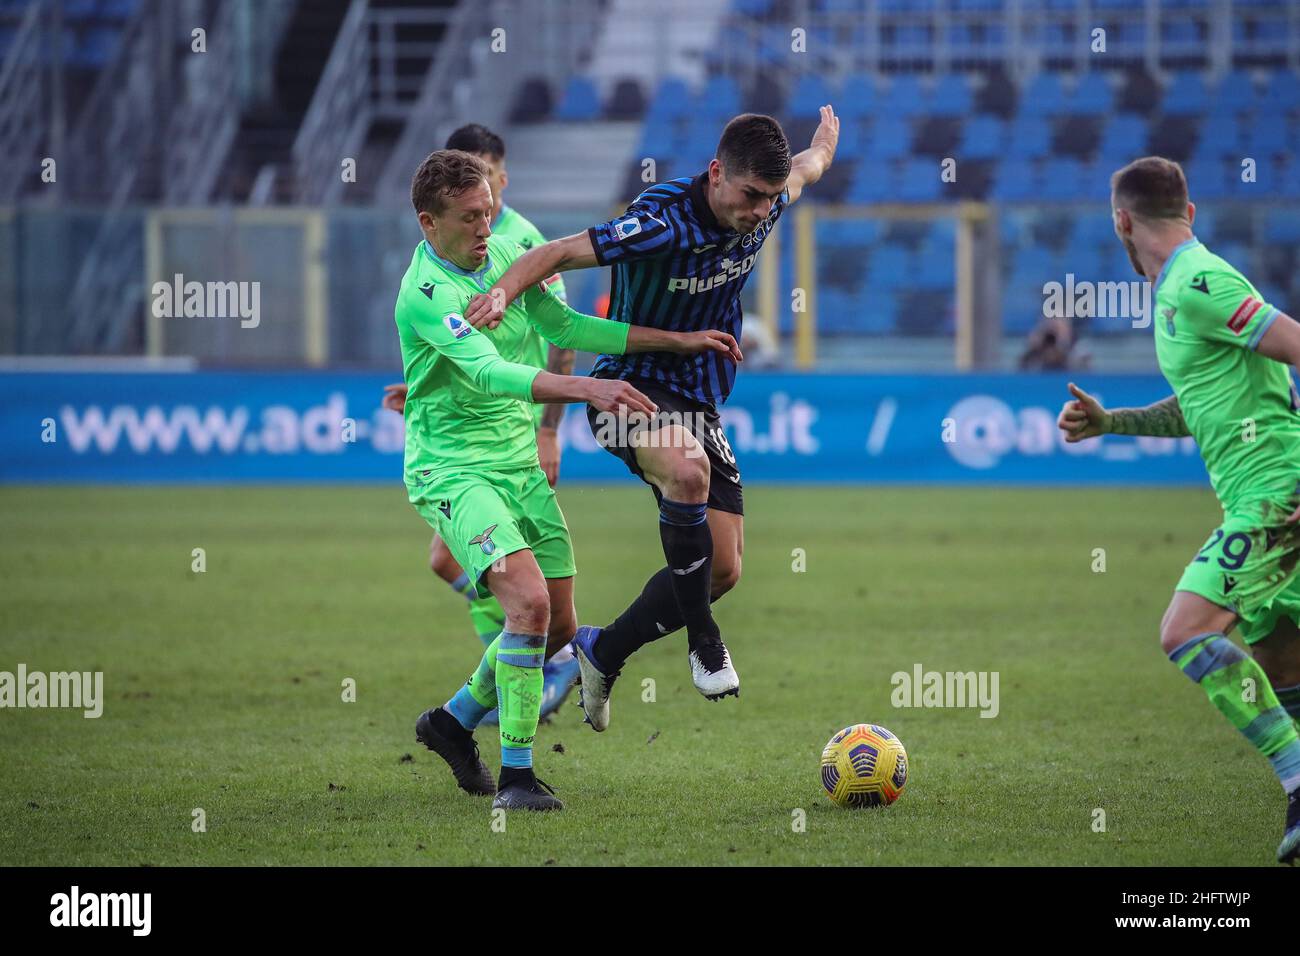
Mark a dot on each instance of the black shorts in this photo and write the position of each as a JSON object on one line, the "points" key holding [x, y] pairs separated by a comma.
{"points": [[725, 490]]}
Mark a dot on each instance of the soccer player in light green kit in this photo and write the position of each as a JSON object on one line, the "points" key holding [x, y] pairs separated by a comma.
{"points": [[486, 615], [1226, 353], [471, 464]]}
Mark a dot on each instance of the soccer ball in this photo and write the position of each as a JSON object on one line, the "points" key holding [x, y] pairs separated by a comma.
{"points": [[864, 766]]}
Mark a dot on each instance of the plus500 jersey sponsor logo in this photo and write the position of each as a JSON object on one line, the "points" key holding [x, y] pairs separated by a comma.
{"points": [[728, 269]]}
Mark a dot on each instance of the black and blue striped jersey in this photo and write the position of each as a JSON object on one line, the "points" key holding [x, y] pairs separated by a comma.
{"points": [[677, 268]]}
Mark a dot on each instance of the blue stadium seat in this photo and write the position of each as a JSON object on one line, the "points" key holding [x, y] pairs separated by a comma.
{"points": [[905, 97], [889, 267], [1206, 179], [1282, 91], [1186, 95], [875, 312], [810, 93], [1063, 179], [78, 9], [720, 98], [984, 137], [918, 181], [117, 9], [1044, 96], [1093, 96], [1266, 139], [671, 100], [94, 49], [859, 98], [853, 139], [1124, 138], [888, 138], [934, 268], [1030, 137], [1016, 179], [580, 100], [1236, 90], [951, 96], [871, 183], [753, 8], [1223, 135], [1281, 226]]}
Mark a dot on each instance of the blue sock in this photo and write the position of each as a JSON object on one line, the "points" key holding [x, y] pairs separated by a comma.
{"points": [[1289, 698], [463, 585], [467, 711]]}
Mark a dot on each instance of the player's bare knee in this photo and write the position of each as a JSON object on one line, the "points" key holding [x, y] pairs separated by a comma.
{"points": [[688, 480], [530, 611]]}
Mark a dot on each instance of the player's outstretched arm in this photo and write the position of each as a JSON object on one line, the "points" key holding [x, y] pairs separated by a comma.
{"points": [[570, 329], [607, 395], [1084, 418], [808, 166], [538, 263]]}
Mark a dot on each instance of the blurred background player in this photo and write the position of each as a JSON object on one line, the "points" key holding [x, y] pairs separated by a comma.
{"points": [[1226, 353], [485, 610], [681, 254], [471, 465]]}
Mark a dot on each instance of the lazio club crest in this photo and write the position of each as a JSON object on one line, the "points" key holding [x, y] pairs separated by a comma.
{"points": [[484, 540]]}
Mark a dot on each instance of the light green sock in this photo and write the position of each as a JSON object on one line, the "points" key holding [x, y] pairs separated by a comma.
{"points": [[1241, 691], [487, 617], [483, 684], [519, 694]]}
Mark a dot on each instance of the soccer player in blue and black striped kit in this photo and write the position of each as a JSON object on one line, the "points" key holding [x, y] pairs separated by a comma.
{"points": [[681, 254]]}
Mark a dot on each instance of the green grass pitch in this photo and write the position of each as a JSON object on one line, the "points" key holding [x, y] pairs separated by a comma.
{"points": [[223, 689]]}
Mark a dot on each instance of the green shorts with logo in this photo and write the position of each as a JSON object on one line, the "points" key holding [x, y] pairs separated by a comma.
{"points": [[1249, 566], [483, 516]]}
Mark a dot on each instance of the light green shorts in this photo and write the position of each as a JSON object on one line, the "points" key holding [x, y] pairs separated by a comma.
{"points": [[485, 516], [1249, 566]]}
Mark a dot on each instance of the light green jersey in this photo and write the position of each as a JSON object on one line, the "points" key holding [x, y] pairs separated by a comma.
{"points": [[468, 396], [1240, 406], [510, 224]]}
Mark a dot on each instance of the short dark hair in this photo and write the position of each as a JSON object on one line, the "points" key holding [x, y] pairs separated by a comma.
{"points": [[1152, 187], [479, 140], [444, 174], [755, 145]]}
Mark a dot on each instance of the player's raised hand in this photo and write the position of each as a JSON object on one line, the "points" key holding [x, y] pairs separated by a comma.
{"points": [[614, 395], [486, 309], [710, 340], [827, 136], [395, 397], [1082, 418]]}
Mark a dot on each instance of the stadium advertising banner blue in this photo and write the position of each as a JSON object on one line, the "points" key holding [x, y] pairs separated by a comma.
{"points": [[328, 426]]}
